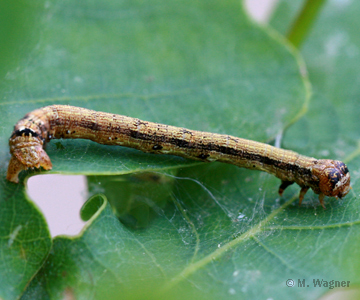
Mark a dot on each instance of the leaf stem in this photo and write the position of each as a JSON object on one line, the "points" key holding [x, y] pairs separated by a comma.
{"points": [[303, 22]]}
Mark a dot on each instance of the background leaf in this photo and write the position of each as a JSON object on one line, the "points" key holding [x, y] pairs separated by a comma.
{"points": [[212, 230], [332, 127], [24, 236]]}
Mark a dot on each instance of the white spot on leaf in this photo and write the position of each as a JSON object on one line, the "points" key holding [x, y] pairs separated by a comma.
{"points": [[13, 235]]}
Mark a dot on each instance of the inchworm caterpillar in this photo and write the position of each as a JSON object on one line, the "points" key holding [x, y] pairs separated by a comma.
{"points": [[326, 177]]}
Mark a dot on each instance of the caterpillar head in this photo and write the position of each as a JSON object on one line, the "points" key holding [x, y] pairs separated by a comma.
{"points": [[334, 177]]}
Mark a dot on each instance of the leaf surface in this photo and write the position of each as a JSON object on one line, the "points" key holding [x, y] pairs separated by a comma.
{"points": [[187, 229]]}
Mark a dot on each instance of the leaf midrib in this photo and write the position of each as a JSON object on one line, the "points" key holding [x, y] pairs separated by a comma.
{"points": [[192, 268]]}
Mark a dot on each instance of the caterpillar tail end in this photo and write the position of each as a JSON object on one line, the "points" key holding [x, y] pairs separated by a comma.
{"points": [[14, 168], [24, 158]]}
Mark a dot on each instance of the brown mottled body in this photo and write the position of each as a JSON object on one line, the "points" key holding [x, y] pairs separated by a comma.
{"points": [[325, 177]]}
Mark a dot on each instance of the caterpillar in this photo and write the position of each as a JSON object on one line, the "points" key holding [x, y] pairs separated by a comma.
{"points": [[324, 176]]}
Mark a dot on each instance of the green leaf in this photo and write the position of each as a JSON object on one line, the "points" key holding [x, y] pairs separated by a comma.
{"points": [[91, 206], [25, 241], [17, 22], [188, 229], [330, 129]]}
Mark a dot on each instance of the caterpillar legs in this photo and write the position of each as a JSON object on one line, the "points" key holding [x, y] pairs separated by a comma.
{"points": [[284, 185], [304, 189]]}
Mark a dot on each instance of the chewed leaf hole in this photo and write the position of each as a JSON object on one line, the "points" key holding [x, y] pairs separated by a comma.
{"points": [[91, 206]]}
